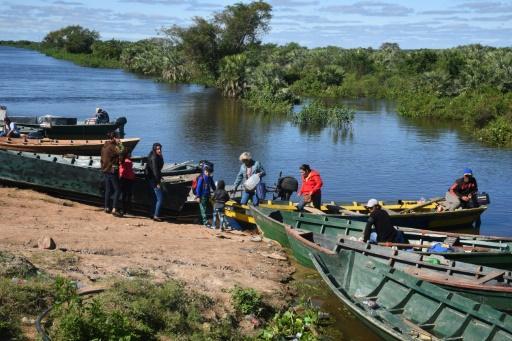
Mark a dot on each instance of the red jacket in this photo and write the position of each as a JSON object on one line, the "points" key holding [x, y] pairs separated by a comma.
{"points": [[126, 170], [311, 183]]}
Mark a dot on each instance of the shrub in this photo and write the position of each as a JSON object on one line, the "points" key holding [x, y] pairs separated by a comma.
{"points": [[300, 323], [246, 301]]}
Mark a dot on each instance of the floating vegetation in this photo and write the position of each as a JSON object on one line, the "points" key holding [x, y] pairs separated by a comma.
{"points": [[317, 114]]}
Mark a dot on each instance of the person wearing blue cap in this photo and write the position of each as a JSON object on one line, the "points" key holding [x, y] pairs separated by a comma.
{"points": [[463, 192]]}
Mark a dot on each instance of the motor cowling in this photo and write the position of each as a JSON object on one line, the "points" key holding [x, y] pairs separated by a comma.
{"points": [[286, 185]]}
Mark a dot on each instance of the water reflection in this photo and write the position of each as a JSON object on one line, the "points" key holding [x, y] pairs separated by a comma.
{"points": [[383, 155]]}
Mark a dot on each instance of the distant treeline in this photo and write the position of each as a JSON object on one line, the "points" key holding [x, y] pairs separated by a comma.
{"points": [[471, 84]]}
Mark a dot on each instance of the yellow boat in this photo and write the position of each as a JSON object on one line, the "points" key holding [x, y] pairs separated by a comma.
{"points": [[406, 213]]}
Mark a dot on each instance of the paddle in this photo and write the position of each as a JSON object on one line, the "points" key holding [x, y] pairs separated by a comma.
{"points": [[423, 204]]}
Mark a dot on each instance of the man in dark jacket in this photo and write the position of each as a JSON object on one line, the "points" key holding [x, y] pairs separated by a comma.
{"points": [[463, 192], [379, 218], [110, 166], [154, 177]]}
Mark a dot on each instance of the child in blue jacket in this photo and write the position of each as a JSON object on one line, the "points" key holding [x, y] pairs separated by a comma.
{"points": [[205, 185]]}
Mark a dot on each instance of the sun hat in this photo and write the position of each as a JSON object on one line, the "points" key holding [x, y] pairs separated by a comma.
{"points": [[245, 156], [372, 202], [468, 171]]}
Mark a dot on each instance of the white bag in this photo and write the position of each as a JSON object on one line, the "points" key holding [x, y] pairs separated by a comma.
{"points": [[252, 182]]}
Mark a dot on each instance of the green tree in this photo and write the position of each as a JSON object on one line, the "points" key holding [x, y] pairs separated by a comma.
{"points": [[74, 39], [110, 49], [232, 31]]}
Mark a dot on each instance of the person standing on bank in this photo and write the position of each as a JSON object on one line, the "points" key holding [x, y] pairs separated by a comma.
{"points": [[154, 177], [110, 168], [126, 180], [220, 197], [248, 168], [311, 189], [463, 192], [205, 185]]}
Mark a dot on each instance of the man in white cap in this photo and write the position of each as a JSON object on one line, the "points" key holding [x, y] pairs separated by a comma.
{"points": [[379, 218]]}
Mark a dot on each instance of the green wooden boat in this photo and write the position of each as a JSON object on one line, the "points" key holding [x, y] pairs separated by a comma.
{"points": [[481, 250], [483, 284], [80, 177], [398, 306], [55, 127]]}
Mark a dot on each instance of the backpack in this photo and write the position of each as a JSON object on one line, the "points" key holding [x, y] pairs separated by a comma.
{"points": [[195, 181]]}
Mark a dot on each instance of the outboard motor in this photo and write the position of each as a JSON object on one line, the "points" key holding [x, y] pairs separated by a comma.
{"points": [[120, 123], [483, 199], [286, 185]]}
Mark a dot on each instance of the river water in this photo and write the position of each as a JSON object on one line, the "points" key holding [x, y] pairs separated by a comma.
{"points": [[383, 156]]}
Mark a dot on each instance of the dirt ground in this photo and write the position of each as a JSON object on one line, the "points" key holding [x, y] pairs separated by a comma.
{"points": [[93, 247]]}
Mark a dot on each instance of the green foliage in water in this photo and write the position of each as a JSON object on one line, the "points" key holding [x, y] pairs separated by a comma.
{"points": [[300, 323], [317, 114]]}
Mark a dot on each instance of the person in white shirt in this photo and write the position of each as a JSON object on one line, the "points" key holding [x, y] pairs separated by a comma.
{"points": [[10, 128]]}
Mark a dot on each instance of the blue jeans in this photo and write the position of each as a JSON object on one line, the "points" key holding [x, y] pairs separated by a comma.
{"points": [[111, 185], [246, 195], [159, 198], [316, 199], [220, 212]]}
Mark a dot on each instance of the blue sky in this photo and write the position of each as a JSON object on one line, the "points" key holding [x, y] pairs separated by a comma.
{"points": [[347, 23]]}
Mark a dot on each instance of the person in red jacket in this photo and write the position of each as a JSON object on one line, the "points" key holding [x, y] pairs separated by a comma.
{"points": [[127, 178], [311, 189]]}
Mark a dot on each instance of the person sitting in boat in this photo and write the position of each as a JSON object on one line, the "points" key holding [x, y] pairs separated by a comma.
{"points": [[248, 168], [463, 192], [10, 128], [102, 116], [311, 189], [380, 219]]}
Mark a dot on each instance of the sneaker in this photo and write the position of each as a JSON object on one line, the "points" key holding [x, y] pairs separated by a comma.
{"points": [[117, 214], [157, 219], [108, 210], [207, 225]]}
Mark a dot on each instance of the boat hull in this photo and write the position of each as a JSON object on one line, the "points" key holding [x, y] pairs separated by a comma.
{"points": [[61, 147], [436, 221], [49, 174], [270, 227], [405, 308]]}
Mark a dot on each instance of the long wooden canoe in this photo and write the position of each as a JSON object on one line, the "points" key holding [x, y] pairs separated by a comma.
{"points": [[424, 217], [60, 147], [481, 250], [80, 177], [483, 284], [398, 306]]}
